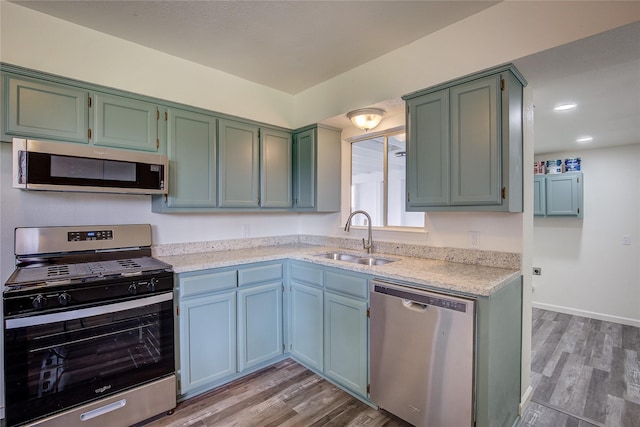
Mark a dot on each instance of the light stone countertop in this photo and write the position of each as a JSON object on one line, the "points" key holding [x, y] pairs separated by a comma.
{"points": [[455, 277]]}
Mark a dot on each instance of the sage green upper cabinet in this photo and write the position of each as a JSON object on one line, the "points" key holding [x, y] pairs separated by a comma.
{"points": [[191, 148], [428, 164], [464, 146], [239, 165], [316, 170], [122, 122], [41, 109], [539, 195], [564, 194], [275, 169]]}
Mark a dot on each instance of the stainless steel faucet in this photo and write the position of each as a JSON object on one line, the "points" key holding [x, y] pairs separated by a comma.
{"points": [[369, 244]]}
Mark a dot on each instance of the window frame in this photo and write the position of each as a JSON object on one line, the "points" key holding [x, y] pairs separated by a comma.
{"points": [[385, 134]]}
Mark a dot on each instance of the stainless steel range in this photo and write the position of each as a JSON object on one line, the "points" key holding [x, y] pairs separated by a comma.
{"points": [[88, 317]]}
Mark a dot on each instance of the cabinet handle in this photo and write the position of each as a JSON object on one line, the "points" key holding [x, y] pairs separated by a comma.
{"points": [[89, 133], [90, 103], [504, 193]]}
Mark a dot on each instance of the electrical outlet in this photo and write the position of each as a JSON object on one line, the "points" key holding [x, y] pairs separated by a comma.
{"points": [[474, 239], [537, 271], [626, 239]]}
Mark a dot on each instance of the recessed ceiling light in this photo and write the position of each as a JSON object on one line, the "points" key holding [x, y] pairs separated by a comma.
{"points": [[585, 139], [565, 107]]}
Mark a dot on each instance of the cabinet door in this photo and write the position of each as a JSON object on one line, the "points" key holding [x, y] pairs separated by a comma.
{"points": [[564, 194], [46, 110], [125, 123], [345, 341], [428, 150], [539, 195], [207, 340], [305, 170], [239, 167], [191, 147], [306, 325], [476, 153], [259, 324], [275, 169]]}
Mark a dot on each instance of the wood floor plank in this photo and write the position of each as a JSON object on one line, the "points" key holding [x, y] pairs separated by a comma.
{"points": [[631, 338], [595, 406]]}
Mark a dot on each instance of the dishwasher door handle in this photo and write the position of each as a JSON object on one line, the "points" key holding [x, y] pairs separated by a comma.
{"points": [[414, 306]]}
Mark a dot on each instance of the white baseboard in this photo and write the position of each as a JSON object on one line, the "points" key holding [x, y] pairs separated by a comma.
{"points": [[589, 314], [524, 400]]}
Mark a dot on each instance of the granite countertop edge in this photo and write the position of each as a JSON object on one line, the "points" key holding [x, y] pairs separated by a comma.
{"points": [[450, 276]]}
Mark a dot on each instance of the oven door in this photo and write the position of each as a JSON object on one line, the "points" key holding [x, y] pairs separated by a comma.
{"points": [[59, 360]]}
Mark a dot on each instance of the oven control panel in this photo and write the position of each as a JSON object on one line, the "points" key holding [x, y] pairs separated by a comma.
{"points": [[81, 236]]}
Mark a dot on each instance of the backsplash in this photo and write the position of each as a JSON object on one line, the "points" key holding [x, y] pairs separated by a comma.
{"points": [[465, 256]]}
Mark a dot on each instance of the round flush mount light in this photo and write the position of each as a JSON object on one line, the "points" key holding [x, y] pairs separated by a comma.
{"points": [[584, 139], [366, 118], [565, 107]]}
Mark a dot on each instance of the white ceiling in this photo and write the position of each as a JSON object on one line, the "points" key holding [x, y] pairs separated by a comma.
{"points": [[294, 45]]}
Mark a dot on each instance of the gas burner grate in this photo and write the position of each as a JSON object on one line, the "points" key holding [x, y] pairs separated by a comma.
{"points": [[129, 263], [57, 270]]}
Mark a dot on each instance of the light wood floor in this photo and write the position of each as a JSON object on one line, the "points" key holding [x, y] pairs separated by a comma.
{"points": [[585, 373]]}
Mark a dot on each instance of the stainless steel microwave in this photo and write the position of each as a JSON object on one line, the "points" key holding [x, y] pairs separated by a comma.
{"points": [[56, 166]]}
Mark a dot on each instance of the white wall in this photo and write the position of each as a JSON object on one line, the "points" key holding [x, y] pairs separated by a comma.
{"points": [[586, 269]]}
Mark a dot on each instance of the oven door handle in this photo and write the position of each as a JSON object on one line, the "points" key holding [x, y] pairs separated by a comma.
{"points": [[45, 319]]}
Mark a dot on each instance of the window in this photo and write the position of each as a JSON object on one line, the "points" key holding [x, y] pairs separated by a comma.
{"points": [[378, 181]]}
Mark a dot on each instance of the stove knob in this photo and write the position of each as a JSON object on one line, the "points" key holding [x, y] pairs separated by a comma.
{"points": [[39, 302], [64, 299], [152, 284], [133, 288]]}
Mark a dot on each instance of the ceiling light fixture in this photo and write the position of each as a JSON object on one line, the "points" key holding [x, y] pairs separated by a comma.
{"points": [[366, 118], [583, 139], [565, 107]]}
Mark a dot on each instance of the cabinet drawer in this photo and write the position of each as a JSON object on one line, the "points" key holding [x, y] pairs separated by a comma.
{"points": [[202, 283], [265, 273], [306, 274], [346, 284]]}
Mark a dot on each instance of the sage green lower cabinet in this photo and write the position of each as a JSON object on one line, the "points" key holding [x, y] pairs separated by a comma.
{"points": [[125, 123], [260, 334], [40, 109], [346, 341], [207, 327], [499, 356], [306, 320], [230, 323]]}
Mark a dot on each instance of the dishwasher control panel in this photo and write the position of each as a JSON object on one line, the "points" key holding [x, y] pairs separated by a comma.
{"points": [[423, 299]]}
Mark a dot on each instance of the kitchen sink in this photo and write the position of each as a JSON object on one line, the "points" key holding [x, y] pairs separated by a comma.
{"points": [[341, 256], [374, 261]]}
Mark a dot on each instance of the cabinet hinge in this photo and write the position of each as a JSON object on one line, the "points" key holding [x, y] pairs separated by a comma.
{"points": [[166, 198], [502, 84], [178, 311], [578, 210], [166, 116], [408, 197], [89, 133], [368, 388], [368, 311], [90, 102], [157, 143], [258, 133], [504, 193], [284, 348], [157, 114]]}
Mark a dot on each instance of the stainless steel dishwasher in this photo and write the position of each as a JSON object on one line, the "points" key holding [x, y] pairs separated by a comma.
{"points": [[422, 355]]}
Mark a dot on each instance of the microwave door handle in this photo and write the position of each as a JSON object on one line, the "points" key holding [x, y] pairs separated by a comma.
{"points": [[45, 319]]}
